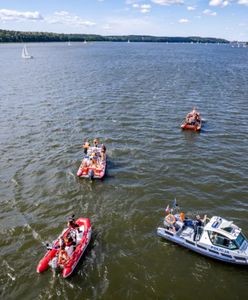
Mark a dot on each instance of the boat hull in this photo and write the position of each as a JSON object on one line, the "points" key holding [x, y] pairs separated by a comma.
{"points": [[81, 246], [92, 172], [194, 127], [212, 251]]}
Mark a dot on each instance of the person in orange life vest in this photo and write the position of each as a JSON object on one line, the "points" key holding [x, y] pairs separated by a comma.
{"points": [[86, 146]]}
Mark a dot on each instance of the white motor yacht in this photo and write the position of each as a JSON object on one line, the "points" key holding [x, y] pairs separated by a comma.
{"points": [[216, 237]]}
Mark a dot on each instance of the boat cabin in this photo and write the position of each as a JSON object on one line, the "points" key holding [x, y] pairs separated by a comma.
{"points": [[223, 233]]}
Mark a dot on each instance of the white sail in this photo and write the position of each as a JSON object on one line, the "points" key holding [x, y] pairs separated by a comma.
{"points": [[25, 53], [69, 43]]}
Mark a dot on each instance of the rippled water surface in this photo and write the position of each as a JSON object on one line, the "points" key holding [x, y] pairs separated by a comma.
{"points": [[133, 97]]}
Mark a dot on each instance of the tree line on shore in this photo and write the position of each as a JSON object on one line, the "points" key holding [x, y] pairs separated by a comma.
{"points": [[8, 36]]}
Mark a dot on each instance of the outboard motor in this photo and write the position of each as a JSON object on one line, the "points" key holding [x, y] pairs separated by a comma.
{"points": [[91, 174], [54, 263]]}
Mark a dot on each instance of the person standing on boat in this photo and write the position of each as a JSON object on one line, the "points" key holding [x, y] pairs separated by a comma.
{"points": [[196, 115], [96, 143], [198, 223], [103, 152], [86, 146]]}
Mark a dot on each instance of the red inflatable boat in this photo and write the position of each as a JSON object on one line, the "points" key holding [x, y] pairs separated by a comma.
{"points": [[192, 121], [93, 164], [82, 239]]}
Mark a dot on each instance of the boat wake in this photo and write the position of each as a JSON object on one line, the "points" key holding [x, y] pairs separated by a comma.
{"points": [[14, 181], [34, 233]]}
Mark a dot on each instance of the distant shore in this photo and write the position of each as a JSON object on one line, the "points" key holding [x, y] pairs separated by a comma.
{"points": [[9, 36]]}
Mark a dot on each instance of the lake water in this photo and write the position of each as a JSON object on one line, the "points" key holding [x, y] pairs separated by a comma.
{"points": [[133, 97]]}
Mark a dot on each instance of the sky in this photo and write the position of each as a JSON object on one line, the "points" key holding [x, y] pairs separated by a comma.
{"points": [[207, 18]]}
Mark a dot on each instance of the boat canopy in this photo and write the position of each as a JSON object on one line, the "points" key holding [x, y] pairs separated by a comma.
{"points": [[220, 225]]}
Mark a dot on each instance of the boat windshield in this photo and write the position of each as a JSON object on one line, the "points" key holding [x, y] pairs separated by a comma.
{"points": [[222, 241], [228, 229], [239, 240]]}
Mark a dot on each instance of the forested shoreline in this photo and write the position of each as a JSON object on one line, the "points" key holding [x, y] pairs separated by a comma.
{"points": [[9, 36]]}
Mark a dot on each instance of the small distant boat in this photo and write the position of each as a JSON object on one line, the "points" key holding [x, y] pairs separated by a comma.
{"points": [[128, 41], [216, 237], [192, 121], [93, 165], [85, 42], [82, 237], [25, 53], [69, 43]]}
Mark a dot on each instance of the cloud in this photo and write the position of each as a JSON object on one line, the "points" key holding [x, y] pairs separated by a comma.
{"points": [[209, 12], [243, 2], [190, 8], [183, 21], [132, 1], [168, 2], [221, 3], [64, 17], [14, 15], [143, 8]]}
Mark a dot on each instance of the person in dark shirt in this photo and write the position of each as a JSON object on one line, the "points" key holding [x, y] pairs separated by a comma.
{"points": [[198, 223]]}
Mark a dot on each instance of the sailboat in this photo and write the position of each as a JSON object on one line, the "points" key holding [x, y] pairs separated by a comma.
{"points": [[25, 53], [69, 43], [85, 42]]}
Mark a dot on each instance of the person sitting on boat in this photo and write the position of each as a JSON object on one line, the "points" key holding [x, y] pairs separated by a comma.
{"points": [[86, 146], [93, 163], [70, 242], [171, 221], [63, 256], [190, 119], [196, 114], [85, 163], [193, 117]]}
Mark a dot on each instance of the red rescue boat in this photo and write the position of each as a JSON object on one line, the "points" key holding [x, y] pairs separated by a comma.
{"points": [[192, 121], [93, 164], [82, 239]]}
